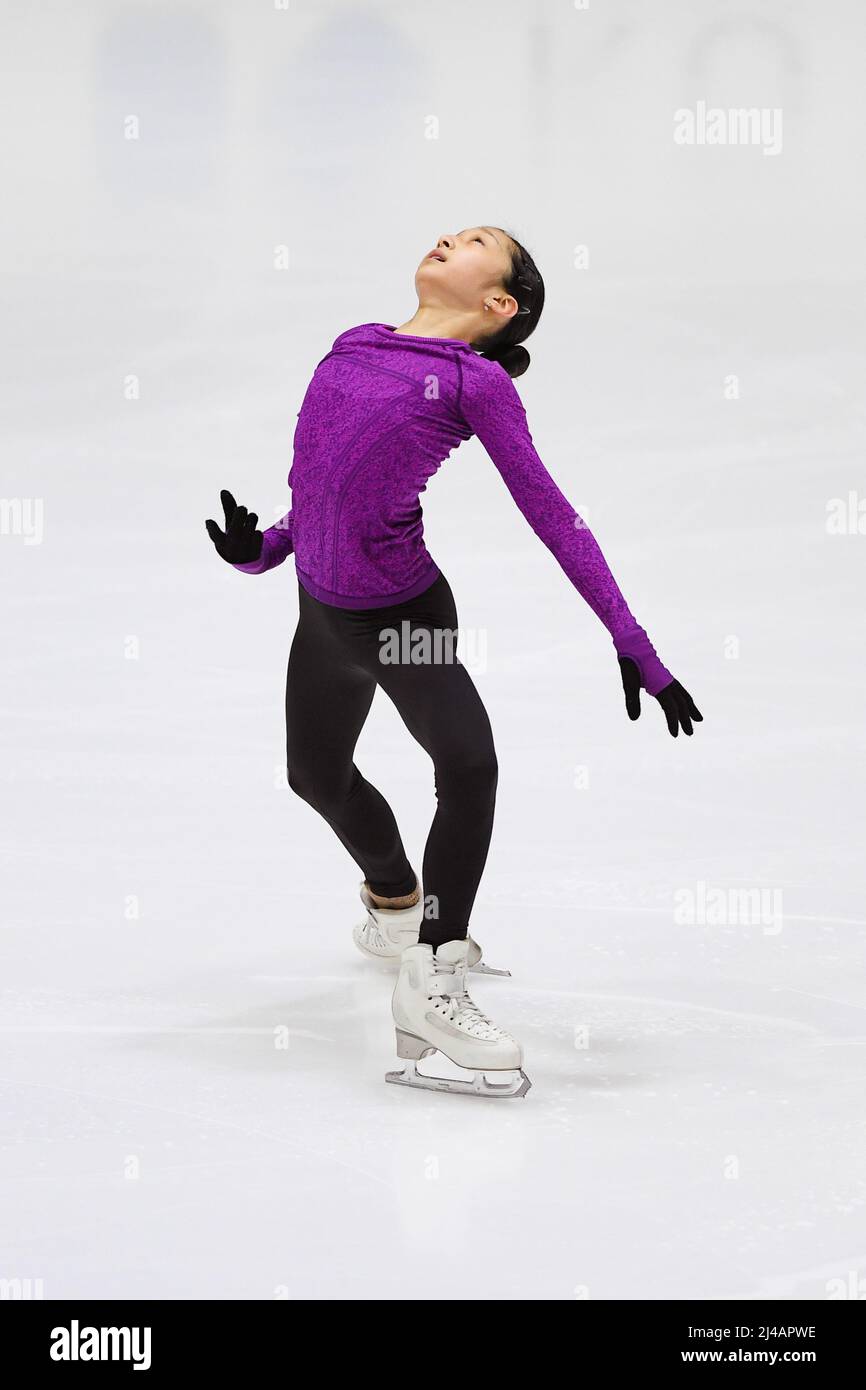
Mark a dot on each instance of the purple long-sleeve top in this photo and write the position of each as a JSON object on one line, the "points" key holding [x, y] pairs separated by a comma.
{"points": [[381, 414]]}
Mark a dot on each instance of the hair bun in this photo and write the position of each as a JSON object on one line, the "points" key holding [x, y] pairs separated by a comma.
{"points": [[514, 360]]}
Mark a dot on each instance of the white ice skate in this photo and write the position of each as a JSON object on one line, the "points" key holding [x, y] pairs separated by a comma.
{"points": [[434, 1013], [385, 933]]}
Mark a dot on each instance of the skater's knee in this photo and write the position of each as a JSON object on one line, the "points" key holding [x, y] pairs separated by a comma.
{"points": [[326, 789], [473, 775], [301, 781]]}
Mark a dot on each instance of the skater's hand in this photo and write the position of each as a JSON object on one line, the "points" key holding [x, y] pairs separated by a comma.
{"points": [[678, 705], [240, 543]]}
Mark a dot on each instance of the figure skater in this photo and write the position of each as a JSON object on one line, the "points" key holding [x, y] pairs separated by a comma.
{"points": [[383, 410]]}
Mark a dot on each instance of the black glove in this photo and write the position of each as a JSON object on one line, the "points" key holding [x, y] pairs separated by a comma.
{"points": [[240, 543], [678, 705]]}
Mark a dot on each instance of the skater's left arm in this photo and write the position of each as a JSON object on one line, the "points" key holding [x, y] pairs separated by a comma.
{"points": [[492, 407]]}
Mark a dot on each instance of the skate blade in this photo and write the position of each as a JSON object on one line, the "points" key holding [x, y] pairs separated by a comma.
{"points": [[481, 969], [516, 1084]]}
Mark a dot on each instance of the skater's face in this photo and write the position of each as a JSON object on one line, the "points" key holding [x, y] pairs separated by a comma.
{"points": [[467, 269]]}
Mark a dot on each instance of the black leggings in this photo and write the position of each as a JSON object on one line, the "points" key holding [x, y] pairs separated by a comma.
{"points": [[336, 661]]}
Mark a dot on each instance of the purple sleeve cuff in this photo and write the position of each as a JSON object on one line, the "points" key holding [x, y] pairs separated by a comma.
{"points": [[254, 566], [637, 646]]}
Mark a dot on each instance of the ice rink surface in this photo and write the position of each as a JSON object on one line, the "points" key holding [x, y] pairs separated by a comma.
{"points": [[193, 1052]]}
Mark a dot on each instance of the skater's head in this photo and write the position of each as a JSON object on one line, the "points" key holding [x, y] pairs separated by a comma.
{"points": [[491, 282]]}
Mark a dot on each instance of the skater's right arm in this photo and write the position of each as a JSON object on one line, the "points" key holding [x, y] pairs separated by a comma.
{"points": [[277, 545], [243, 545]]}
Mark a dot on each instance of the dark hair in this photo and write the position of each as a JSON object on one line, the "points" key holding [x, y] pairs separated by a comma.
{"points": [[526, 285]]}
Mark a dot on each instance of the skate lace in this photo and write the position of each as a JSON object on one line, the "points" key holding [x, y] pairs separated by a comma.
{"points": [[461, 1009], [372, 935]]}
